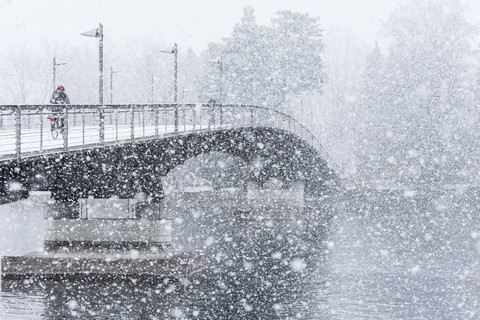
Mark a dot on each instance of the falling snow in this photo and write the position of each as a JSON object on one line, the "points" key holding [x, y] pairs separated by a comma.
{"points": [[289, 169]]}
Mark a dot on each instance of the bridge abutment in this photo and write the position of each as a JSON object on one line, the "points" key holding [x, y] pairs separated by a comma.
{"points": [[107, 235], [109, 238], [106, 223]]}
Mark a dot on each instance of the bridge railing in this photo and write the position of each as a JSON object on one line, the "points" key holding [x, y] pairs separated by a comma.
{"points": [[25, 130]]}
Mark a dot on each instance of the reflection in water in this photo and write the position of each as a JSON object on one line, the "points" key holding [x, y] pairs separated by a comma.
{"points": [[258, 269], [416, 258], [107, 299], [381, 256]]}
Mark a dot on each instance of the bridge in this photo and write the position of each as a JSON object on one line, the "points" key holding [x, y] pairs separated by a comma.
{"points": [[123, 153], [123, 150]]}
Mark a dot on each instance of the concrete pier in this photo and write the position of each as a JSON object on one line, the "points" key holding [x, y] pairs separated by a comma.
{"points": [[107, 233], [108, 240]]}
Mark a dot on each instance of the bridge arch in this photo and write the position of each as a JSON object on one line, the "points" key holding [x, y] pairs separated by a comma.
{"points": [[137, 168]]}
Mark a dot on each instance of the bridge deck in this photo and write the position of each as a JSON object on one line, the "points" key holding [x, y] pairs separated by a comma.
{"points": [[35, 141], [25, 130]]}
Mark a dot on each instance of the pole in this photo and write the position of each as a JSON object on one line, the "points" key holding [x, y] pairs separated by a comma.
{"points": [[100, 64], [100, 85], [221, 92], [18, 132], [221, 82], [175, 52], [54, 72], [111, 85]]}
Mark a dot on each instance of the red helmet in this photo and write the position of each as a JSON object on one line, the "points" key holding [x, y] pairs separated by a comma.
{"points": [[61, 87]]}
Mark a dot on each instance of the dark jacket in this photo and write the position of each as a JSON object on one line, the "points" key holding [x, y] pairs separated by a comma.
{"points": [[59, 97]]}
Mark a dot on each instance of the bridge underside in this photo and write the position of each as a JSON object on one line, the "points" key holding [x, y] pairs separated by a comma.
{"points": [[135, 169]]}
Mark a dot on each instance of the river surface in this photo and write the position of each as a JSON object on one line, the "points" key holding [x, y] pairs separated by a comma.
{"points": [[364, 255]]}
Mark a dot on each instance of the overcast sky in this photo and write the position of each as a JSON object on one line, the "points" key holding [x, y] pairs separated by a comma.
{"points": [[190, 23]]}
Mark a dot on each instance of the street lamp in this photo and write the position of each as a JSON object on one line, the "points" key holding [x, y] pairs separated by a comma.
{"points": [[55, 64], [174, 51], [111, 83], [98, 33]]}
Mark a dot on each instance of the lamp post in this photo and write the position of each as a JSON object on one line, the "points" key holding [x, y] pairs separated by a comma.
{"points": [[98, 33], [55, 64], [111, 83], [174, 51], [220, 65]]}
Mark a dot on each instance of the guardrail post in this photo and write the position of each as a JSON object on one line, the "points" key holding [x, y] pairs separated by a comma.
{"points": [[41, 129], [65, 128], [132, 124], [221, 115], [143, 120], [83, 125], [184, 116], [102, 124], [211, 116], [18, 132], [165, 120], [176, 118], [156, 120], [116, 124], [194, 118]]}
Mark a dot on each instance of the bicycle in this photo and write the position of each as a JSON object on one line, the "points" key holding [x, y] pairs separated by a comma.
{"points": [[56, 124]]}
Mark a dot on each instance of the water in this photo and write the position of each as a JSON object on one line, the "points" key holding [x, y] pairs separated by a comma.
{"points": [[371, 256]]}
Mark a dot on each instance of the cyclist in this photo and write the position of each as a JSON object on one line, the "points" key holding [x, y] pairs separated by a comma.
{"points": [[59, 97]]}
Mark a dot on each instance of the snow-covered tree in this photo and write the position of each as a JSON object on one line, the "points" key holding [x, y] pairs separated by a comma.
{"points": [[263, 65], [371, 114], [424, 90], [24, 78]]}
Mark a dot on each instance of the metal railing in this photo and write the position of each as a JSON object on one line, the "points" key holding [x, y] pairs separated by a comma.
{"points": [[25, 130]]}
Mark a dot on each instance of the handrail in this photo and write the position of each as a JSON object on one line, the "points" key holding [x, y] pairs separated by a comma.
{"points": [[24, 131], [326, 154]]}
